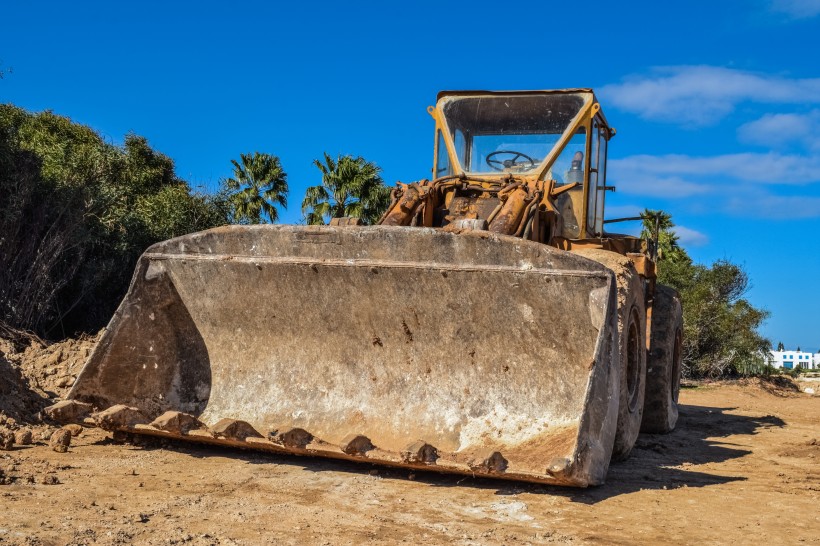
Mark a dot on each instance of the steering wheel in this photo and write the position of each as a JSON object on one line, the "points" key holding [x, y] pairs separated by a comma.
{"points": [[503, 164]]}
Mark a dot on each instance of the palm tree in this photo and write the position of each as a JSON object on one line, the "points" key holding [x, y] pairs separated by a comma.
{"points": [[351, 186], [257, 186], [657, 226]]}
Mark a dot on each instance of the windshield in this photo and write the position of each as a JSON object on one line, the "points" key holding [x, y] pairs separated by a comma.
{"points": [[508, 133]]}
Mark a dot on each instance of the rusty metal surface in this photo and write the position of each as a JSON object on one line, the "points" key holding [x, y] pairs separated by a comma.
{"points": [[644, 265], [497, 353], [470, 93], [508, 205]]}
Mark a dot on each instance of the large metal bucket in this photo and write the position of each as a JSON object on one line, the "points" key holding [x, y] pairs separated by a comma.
{"points": [[470, 353]]}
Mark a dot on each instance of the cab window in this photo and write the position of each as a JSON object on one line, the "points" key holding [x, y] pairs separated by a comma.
{"points": [[509, 133], [443, 167], [568, 168], [597, 179]]}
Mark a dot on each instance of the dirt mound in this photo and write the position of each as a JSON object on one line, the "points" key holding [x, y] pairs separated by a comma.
{"points": [[18, 400], [34, 374], [777, 385], [53, 368]]}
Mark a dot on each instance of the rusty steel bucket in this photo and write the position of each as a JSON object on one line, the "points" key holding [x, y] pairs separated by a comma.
{"points": [[470, 353]]}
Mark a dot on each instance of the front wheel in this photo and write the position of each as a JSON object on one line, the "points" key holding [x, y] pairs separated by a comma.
{"points": [[632, 344], [631, 347]]}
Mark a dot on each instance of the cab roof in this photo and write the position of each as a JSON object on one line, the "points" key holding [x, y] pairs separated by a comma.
{"points": [[470, 93], [480, 92]]}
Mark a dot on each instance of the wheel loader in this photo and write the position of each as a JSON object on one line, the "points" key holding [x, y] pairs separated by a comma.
{"points": [[488, 325]]}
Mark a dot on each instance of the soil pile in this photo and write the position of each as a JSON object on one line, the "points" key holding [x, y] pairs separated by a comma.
{"points": [[53, 368], [18, 400], [35, 374]]}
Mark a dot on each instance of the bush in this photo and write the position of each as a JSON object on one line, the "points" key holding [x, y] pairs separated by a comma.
{"points": [[795, 372], [76, 214]]}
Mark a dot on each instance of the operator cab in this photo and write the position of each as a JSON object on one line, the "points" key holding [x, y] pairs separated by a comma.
{"points": [[557, 136]]}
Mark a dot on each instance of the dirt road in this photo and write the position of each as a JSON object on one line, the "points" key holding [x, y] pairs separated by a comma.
{"points": [[742, 468]]}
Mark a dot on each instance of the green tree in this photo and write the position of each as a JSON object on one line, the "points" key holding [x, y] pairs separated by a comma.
{"points": [[721, 335], [76, 212], [351, 186], [658, 226], [258, 185], [780, 346]]}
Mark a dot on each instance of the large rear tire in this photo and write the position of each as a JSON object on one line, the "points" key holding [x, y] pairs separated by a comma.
{"points": [[663, 363], [631, 345]]}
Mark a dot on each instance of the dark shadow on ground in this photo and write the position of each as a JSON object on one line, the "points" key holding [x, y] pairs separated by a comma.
{"points": [[695, 441]]}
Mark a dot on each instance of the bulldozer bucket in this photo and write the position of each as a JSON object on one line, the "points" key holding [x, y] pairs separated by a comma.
{"points": [[470, 353]]}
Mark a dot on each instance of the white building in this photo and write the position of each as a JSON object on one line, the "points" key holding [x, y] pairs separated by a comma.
{"points": [[789, 360]]}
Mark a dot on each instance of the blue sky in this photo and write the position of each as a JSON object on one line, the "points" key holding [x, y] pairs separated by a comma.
{"points": [[717, 104]]}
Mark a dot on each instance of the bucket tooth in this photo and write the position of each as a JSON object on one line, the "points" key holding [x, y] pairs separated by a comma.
{"points": [[177, 422], [356, 444], [558, 466], [119, 416], [420, 452], [68, 411], [491, 463], [202, 433], [295, 437], [122, 437], [234, 429]]}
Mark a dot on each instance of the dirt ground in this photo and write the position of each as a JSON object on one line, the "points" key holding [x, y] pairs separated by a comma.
{"points": [[743, 467]]}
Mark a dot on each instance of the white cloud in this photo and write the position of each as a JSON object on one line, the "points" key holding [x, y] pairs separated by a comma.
{"points": [[797, 9], [778, 130], [736, 184], [775, 207], [676, 175], [702, 95], [635, 182], [691, 237]]}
